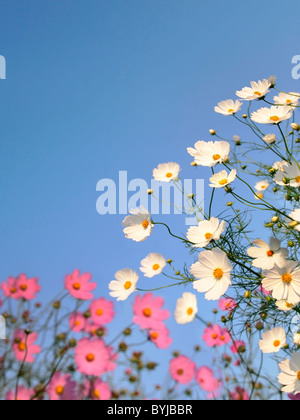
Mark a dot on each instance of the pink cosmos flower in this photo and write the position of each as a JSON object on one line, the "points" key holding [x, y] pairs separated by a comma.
{"points": [[100, 391], [294, 397], [227, 304], [206, 380], [160, 337], [79, 286], [240, 394], [23, 394], [182, 369], [148, 312], [77, 322], [238, 346], [21, 287], [93, 357], [24, 347], [62, 388], [215, 336], [102, 311], [264, 291]]}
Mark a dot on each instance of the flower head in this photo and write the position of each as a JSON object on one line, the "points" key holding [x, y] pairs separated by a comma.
{"points": [[186, 308], [290, 99], [182, 369], [79, 286], [166, 172], [215, 336], [210, 153], [290, 375], [148, 312], [93, 357], [222, 179], [273, 115], [153, 265], [102, 311], [124, 284], [23, 394], [228, 107], [258, 90], [266, 256], [272, 341], [24, 346], [212, 273], [160, 337], [62, 388], [205, 232], [138, 226], [21, 287], [206, 379]]}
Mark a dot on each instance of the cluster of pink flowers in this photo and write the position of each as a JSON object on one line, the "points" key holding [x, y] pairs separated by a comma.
{"points": [[149, 315]]}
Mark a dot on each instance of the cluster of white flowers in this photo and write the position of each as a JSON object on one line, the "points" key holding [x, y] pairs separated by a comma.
{"points": [[212, 273]]}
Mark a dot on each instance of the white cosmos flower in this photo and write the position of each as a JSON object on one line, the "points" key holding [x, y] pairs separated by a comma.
{"points": [[291, 173], [138, 226], [222, 179], [273, 340], [186, 308], [258, 90], [296, 339], [280, 166], [205, 232], [124, 284], [153, 265], [166, 172], [213, 273], [284, 305], [210, 153], [270, 138], [295, 215], [262, 185], [290, 375], [290, 99], [228, 107], [284, 283], [273, 115], [268, 255]]}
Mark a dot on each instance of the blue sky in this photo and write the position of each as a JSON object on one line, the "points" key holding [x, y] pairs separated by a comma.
{"points": [[94, 87]]}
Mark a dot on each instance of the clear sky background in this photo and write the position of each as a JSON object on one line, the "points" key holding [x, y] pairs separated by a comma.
{"points": [[98, 86]]}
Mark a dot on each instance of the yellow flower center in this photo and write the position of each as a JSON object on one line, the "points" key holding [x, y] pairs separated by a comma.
{"points": [[287, 278], [13, 290], [90, 357], [270, 253], [190, 311], [97, 394], [298, 375], [288, 101], [230, 110], [76, 286], [215, 336], [21, 346], [154, 335], [180, 372], [223, 182], [60, 390], [145, 224], [297, 179], [99, 312], [169, 175], [156, 267], [24, 287], [147, 312], [222, 338], [208, 235], [257, 93], [274, 118], [127, 285], [216, 157], [289, 305], [276, 343], [218, 273]]}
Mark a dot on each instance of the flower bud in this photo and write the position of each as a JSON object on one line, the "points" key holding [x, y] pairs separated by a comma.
{"points": [[295, 126]]}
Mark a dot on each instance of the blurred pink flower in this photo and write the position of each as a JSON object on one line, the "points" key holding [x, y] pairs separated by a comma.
{"points": [[215, 336], [264, 291], [148, 312], [21, 287], [62, 388], [77, 322], [206, 380], [102, 311], [79, 286], [100, 391], [227, 304], [182, 369], [240, 394], [93, 357], [238, 346], [160, 337], [23, 394], [23, 345]]}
